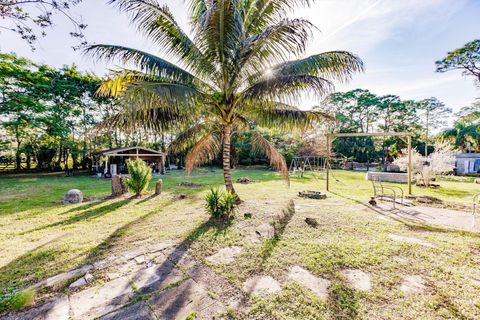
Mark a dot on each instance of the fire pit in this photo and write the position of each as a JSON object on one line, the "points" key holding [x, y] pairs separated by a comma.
{"points": [[312, 194]]}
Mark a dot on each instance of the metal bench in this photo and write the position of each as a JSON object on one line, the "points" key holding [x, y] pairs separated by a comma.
{"points": [[381, 191]]}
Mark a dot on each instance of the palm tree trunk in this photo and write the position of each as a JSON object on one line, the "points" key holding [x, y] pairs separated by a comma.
{"points": [[227, 176]]}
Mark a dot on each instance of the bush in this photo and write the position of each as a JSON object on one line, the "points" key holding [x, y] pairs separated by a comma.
{"points": [[140, 176], [16, 300], [219, 204]]}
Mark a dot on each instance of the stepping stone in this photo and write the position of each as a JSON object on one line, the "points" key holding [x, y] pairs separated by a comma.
{"points": [[157, 277], [261, 285], [358, 279], [140, 259], [136, 311], [57, 309], [412, 284], [413, 240], [178, 302], [319, 286], [225, 256], [97, 301]]}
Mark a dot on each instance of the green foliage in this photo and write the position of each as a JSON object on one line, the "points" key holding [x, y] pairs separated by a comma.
{"points": [[220, 204], [466, 58], [191, 316], [16, 300], [140, 176]]}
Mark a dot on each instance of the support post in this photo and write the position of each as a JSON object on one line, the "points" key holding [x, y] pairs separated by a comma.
{"points": [[409, 142], [106, 166], [328, 163]]}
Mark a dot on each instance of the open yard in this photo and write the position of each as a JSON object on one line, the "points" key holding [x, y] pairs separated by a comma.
{"points": [[437, 276]]}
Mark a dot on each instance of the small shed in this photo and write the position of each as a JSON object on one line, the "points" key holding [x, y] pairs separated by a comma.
{"points": [[114, 159], [467, 163]]}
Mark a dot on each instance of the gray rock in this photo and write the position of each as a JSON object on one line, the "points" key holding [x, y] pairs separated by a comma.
{"points": [[317, 285], [261, 285], [73, 196], [80, 282], [358, 279], [225, 255], [157, 277]]}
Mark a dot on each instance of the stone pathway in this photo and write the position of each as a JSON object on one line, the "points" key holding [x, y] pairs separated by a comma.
{"points": [[319, 286], [165, 280], [396, 237], [358, 279], [261, 285]]}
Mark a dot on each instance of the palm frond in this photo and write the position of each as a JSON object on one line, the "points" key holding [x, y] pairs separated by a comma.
{"points": [[188, 137], [274, 114], [206, 149], [287, 87], [157, 23], [262, 145], [146, 62]]}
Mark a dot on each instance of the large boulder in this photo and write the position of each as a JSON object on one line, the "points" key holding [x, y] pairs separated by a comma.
{"points": [[73, 196]]}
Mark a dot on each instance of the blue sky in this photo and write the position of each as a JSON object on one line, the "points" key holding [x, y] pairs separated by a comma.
{"points": [[399, 41]]}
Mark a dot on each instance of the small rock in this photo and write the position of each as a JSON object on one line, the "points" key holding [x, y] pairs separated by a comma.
{"points": [[159, 187], [412, 284], [225, 255], [73, 196], [477, 180], [312, 222], [261, 285], [358, 279], [80, 282], [88, 277]]}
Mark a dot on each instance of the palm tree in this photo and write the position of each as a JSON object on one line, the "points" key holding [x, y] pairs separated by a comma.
{"points": [[235, 68], [466, 136]]}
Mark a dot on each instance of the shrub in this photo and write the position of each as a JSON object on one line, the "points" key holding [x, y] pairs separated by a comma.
{"points": [[140, 176], [16, 300], [219, 204]]}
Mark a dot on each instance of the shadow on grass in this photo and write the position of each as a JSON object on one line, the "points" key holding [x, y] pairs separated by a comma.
{"points": [[279, 225], [343, 301], [86, 215]]}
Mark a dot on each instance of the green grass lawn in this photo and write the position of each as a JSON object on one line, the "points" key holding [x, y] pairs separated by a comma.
{"points": [[40, 237]]}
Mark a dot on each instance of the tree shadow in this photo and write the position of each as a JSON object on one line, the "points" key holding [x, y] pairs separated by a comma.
{"points": [[344, 302], [86, 215]]}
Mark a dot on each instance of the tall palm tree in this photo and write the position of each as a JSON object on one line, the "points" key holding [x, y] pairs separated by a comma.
{"points": [[240, 63]]}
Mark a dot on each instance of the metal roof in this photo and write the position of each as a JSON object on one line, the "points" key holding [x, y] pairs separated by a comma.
{"points": [[119, 150]]}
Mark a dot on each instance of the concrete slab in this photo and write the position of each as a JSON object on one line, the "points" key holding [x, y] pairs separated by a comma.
{"points": [[319, 286], [358, 279], [225, 255], [136, 311], [261, 285], [157, 277], [98, 301]]}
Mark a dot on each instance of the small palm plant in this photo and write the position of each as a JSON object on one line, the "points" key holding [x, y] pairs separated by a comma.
{"points": [[140, 176], [219, 204]]}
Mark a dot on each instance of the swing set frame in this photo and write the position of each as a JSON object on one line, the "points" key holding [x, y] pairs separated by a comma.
{"points": [[405, 136]]}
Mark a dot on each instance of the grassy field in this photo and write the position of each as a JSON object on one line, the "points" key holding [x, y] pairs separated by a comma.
{"points": [[40, 237]]}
